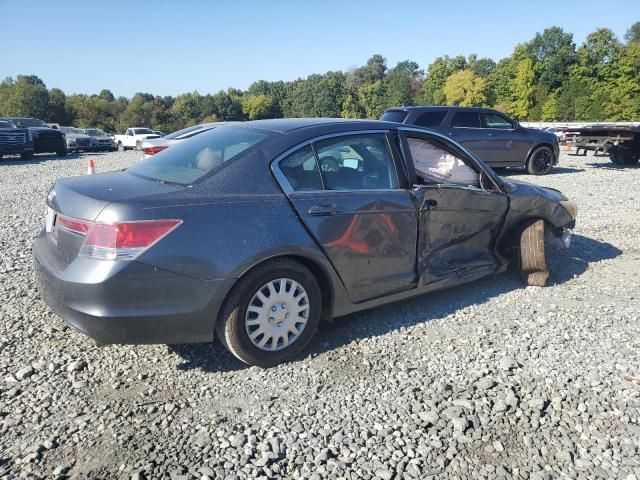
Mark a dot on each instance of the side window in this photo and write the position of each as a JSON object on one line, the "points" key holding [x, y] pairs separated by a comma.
{"points": [[356, 162], [301, 170], [466, 120], [493, 120], [434, 164], [431, 119], [129, 132]]}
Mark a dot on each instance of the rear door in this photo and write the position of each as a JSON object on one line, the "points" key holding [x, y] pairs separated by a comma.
{"points": [[459, 219], [347, 191]]}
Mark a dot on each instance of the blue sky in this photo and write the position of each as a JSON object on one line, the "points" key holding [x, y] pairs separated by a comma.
{"points": [[167, 48]]}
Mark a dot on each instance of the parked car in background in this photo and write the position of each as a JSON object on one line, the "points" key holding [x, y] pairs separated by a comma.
{"points": [[495, 138], [45, 139], [562, 136], [15, 141], [100, 140], [255, 231], [133, 136], [152, 146], [76, 139]]}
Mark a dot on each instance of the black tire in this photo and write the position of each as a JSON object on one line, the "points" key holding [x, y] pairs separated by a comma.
{"points": [[231, 329], [119, 145], [61, 153], [531, 254], [541, 161], [27, 155], [622, 155]]}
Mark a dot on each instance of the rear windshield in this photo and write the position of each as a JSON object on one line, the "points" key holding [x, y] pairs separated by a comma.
{"points": [[394, 116], [186, 162], [138, 131]]}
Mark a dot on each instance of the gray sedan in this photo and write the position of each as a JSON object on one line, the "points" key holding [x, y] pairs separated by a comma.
{"points": [[257, 231], [100, 140]]}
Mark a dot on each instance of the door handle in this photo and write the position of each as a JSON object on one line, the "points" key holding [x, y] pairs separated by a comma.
{"points": [[324, 209], [492, 134]]}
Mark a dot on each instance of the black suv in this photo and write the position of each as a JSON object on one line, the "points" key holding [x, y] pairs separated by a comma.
{"points": [[491, 135], [15, 141], [45, 139]]}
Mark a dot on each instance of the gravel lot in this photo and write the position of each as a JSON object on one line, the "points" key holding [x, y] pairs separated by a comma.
{"points": [[490, 380]]}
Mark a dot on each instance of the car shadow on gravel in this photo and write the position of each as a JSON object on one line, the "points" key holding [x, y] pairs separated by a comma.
{"points": [[614, 166], [10, 161], [563, 265]]}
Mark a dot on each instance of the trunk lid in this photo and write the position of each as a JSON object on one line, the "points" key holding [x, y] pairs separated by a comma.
{"points": [[82, 199]]}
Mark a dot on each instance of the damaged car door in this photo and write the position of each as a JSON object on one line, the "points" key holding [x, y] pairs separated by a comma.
{"points": [[460, 211], [347, 191]]}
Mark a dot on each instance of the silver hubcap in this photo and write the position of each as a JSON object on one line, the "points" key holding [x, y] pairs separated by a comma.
{"points": [[277, 314]]}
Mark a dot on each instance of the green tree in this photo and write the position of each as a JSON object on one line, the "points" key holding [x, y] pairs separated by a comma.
{"points": [[27, 96], [373, 98], [552, 52], [523, 89], [465, 88], [437, 74], [549, 111], [57, 110], [633, 34], [256, 107], [351, 107]]}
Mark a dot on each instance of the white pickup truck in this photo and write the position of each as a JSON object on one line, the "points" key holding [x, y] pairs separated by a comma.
{"points": [[133, 137]]}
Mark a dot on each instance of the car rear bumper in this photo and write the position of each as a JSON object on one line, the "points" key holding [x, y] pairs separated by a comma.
{"points": [[129, 302]]}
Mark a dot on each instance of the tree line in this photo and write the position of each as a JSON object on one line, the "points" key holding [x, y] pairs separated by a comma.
{"points": [[548, 78]]}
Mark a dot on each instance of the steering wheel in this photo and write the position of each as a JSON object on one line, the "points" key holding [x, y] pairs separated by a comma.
{"points": [[329, 164]]}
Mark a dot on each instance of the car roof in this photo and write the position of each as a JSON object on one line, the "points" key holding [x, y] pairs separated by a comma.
{"points": [[436, 107], [285, 125]]}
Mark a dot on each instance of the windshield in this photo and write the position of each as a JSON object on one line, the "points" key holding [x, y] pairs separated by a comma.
{"points": [[184, 133], [5, 124], [30, 122], [93, 132], [138, 131], [186, 162]]}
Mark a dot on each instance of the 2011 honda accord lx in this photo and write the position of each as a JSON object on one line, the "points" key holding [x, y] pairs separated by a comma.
{"points": [[259, 230]]}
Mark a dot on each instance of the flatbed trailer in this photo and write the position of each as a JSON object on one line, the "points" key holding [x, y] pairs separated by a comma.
{"points": [[621, 143]]}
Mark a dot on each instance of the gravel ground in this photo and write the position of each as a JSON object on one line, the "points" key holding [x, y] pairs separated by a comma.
{"points": [[490, 380]]}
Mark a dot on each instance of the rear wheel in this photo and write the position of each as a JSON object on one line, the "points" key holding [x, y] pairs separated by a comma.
{"points": [[622, 155], [271, 315], [61, 153], [531, 254], [27, 155], [541, 161]]}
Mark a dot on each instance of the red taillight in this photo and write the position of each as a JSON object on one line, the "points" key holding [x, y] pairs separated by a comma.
{"points": [[153, 150], [126, 240], [73, 224]]}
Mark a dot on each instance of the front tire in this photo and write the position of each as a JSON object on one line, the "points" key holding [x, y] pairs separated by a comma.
{"points": [[531, 254], [272, 314], [27, 155], [61, 153], [541, 161]]}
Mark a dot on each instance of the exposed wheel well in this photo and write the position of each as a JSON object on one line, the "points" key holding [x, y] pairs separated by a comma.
{"points": [[326, 290], [510, 240]]}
